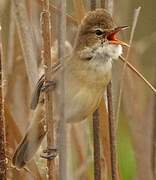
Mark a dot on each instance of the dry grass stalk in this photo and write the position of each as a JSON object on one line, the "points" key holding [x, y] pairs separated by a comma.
{"points": [[62, 132], [26, 40], [3, 166], [46, 49], [138, 74], [135, 19]]}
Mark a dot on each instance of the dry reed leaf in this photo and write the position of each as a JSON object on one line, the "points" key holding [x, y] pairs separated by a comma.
{"points": [[17, 91], [11, 124], [26, 39]]}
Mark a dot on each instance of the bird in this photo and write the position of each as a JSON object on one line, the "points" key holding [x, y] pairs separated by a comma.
{"points": [[87, 72]]}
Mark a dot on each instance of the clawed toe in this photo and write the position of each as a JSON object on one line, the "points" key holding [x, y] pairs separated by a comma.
{"points": [[49, 156], [48, 86], [48, 149]]}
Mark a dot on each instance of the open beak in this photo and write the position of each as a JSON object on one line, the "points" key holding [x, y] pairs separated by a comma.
{"points": [[111, 36]]}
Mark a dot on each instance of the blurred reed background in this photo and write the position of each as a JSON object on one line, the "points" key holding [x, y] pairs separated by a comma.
{"points": [[137, 119]]}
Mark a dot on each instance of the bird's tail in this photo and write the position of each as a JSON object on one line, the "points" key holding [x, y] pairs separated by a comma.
{"points": [[32, 139]]}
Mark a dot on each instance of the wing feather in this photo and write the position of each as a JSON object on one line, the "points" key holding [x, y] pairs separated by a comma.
{"points": [[39, 85]]}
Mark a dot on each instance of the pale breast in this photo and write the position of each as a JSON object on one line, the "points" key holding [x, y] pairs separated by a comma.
{"points": [[83, 103], [78, 105], [83, 92]]}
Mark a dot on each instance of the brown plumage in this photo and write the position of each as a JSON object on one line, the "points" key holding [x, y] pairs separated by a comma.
{"points": [[87, 73]]}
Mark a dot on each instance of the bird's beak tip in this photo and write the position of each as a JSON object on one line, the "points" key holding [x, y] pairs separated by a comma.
{"points": [[111, 37]]}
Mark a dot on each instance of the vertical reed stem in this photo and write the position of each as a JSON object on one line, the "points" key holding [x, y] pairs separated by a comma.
{"points": [[3, 166], [46, 50], [62, 131], [97, 160], [113, 139], [93, 5], [154, 135], [112, 131], [103, 3]]}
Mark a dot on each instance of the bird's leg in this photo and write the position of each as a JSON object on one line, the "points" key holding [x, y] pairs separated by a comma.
{"points": [[49, 156], [48, 149], [49, 85]]}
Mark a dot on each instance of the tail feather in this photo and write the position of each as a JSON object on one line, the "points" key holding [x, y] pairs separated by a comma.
{"points": [[26, 151], [18, 158], [32, 140]]}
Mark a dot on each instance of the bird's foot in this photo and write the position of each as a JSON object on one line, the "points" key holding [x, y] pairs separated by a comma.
{"points": [[49, 156], [49, 85]]}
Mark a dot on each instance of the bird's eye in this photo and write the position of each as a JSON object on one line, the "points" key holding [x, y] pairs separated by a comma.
{"points": [[98, 32]]}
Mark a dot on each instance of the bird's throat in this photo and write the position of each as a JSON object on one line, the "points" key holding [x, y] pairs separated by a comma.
{"points": [[101, 52]]}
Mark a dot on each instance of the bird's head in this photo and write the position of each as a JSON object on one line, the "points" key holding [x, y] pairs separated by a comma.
{"points": [[97, 30]]}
